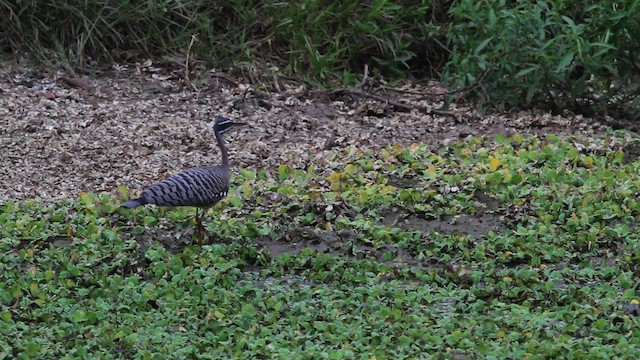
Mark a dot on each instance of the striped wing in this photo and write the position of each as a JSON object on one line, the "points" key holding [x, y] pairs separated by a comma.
{"points": [[203, 186]]}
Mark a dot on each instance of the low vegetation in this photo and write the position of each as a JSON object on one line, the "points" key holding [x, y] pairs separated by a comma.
{"points": [[518, 247]]}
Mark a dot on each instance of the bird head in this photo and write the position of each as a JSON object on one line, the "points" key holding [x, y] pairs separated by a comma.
{"points": [[222, 124]]}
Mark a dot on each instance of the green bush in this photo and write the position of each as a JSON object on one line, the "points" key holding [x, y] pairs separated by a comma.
{"points": [[318, 40], [557, 54], [113, 29], [334, 39]]}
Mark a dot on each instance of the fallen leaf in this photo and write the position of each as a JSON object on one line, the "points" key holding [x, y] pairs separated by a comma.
{"points": [[493, 164]]}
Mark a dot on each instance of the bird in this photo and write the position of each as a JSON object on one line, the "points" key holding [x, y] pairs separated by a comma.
{"points": [[201, 187]]}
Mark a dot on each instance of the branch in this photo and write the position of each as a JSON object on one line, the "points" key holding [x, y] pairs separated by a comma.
{"points": [[398, 105]]}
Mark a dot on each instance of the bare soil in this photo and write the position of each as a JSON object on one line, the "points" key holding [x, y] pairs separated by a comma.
{"points": [[135, 124]]}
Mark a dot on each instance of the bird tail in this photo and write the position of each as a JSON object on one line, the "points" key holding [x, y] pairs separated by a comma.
{"points": [[134, 202]]}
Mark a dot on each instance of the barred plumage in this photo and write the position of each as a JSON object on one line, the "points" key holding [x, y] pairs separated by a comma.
{"points": [[201, 187]]}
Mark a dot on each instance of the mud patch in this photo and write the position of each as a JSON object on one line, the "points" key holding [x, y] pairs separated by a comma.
{"points": [[342, 244], [475, 226], [173, 239], [287, 281], [297, 240], [489, 202], [402, 182], [62, 241], [631, 152]]}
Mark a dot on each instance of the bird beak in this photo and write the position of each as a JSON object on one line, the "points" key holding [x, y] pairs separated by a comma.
{"points": [[236, 123]]}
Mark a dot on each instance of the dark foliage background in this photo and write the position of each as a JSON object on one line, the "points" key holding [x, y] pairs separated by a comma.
{"points": [[558, 55]]}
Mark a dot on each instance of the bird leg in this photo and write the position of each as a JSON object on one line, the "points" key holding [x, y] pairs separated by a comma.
{"points": [[199, 227], [201, 231]]}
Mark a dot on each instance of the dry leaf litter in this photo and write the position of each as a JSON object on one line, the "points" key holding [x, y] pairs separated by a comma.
{"points": [[134, 125]]}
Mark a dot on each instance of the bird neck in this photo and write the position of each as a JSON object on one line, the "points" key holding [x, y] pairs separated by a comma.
{"points": [[223, 150]]}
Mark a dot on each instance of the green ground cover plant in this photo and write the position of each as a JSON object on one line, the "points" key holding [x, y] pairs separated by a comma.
{"points": [[344, 262]]}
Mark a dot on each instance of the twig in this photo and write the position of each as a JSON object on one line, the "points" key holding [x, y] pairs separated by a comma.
{"points": [[365, 76], [186, 68], [275, 82], [400, 106], [226, 79], [402, 91], [450, 92]]}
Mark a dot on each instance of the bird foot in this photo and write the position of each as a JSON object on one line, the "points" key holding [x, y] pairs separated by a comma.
{"points": [[201, 234]]}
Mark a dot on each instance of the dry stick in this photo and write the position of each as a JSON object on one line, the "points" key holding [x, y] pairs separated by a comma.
{"points": [[365, 77], [421, 95], [225, 78], [450, 92], [264, 96], [399, 105], [275, 82], [186, 68], [403, 91]]}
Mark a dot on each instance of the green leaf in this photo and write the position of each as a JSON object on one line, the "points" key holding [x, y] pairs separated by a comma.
{"points": [[569, 21], [528, 70], [482, 45], [578, 86], [619, 157], [248, 310], [247, 174], [87, 199], [34, 288], [152, 255], [404, 340], [516, 179], [235, 201], [32, 349], [150, 220], [283, 172], [492, 19], [123, 190], [78, 316], [73, 270], [565, 61]]}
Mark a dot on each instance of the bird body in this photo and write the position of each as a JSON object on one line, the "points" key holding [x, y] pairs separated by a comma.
{"points": [[202, 187]]}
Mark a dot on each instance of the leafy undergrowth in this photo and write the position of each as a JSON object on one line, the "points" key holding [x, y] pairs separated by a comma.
{"points": [[519, 248]]}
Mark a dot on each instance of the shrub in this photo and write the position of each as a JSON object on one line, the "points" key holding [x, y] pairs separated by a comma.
{"points": [[112, 29], [315, 39], [554, 54], [331, 39]]}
